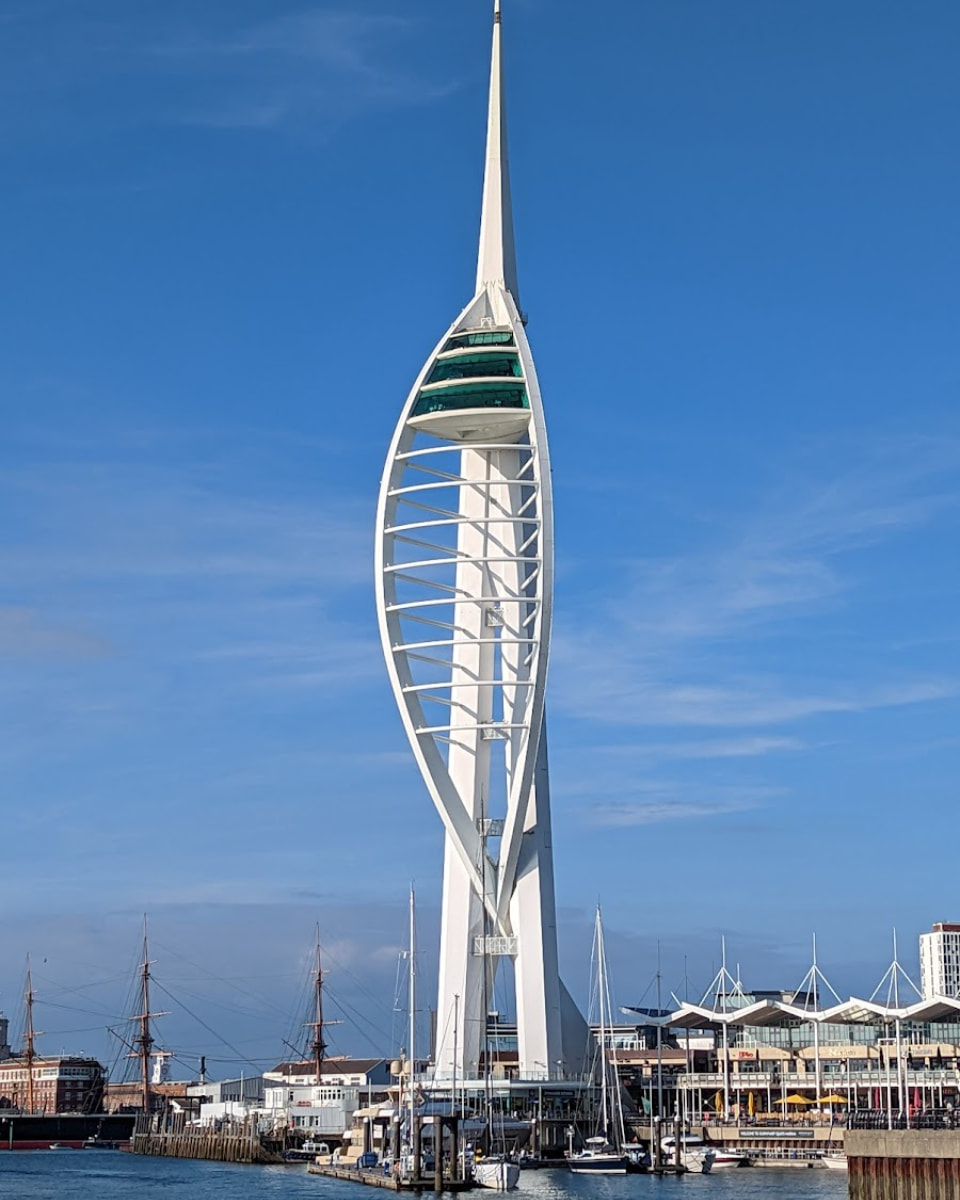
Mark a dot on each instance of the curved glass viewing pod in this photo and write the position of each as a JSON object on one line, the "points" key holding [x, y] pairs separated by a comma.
{"points": [[473, 388]]}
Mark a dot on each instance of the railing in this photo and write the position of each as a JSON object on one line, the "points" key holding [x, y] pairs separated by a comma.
{"points": [[879, 1077], [879, 1118]]}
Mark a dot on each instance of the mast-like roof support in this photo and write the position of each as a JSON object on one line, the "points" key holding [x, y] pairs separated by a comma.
{"points": [[497, 260]]}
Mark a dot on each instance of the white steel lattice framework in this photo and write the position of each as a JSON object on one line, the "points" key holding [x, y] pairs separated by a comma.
{"points": [[465, 587]]}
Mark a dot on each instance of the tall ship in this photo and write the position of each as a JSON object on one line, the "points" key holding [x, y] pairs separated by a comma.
{"points": [[49, 1101], [53, 1100]]}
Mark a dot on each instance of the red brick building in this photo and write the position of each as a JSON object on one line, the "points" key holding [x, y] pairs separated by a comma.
{"points": [[60, 1085]]}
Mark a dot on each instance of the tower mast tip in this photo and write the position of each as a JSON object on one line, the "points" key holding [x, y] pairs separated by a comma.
{"points": [[496, 261]]}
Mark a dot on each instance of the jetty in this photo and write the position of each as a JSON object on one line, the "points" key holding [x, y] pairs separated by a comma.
{"points": [[381, 1178], [169, 1136]]}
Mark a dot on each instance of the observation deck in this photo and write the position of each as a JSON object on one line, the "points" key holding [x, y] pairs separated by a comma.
{"points": [[474, 389]]}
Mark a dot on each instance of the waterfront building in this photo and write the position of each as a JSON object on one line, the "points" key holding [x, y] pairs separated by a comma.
{"points": [[245, 1090], [59, 1084], [127, 1097], [214, 1101], [464, 565], [780, 1051], [940, 961], [294, 1097], [335, 1071]]}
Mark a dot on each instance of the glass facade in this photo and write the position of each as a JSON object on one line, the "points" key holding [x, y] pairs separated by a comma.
{"points": [[480, 337], [473, 366], [510, 394]]}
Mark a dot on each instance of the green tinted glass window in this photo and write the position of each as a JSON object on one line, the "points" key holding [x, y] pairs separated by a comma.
{"points": [[480, 337], [470, 366], [471, 395]]}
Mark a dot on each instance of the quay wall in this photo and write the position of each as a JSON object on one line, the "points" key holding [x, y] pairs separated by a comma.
{"points": [[903, 1164]]}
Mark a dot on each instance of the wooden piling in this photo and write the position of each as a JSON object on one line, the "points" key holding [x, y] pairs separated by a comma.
{"points": [[170, 1137]]}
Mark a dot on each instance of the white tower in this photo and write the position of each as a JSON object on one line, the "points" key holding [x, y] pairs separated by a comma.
{"points": [[464, 594]]}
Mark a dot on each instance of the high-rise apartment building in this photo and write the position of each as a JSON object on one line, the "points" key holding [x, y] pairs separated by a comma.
{"points": [[940, 961]]}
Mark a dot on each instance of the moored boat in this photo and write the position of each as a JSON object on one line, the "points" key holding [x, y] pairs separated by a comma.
{"points": [[22, 1131], [598, 1157], [496, 1172], [699, 1156], [603, 1153], [835, 1162]]}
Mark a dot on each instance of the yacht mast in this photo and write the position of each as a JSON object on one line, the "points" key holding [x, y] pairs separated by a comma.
{"points": [[413, 1012], [601, 988]]}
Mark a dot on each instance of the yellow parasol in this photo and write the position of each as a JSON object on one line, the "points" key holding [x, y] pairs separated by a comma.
{"points": [[795, 1099], [832, 1099], [750, 1104]]}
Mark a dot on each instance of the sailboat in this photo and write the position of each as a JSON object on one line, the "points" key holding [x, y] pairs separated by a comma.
{"points": [[410, 1166], [496, 1171], [603, 1153], [835, 1161]]}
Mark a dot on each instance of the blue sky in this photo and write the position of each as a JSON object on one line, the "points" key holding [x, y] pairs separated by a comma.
{"points": [[232, 233]]}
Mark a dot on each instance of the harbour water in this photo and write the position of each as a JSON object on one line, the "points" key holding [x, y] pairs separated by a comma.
{"points": [[106, 1175]]}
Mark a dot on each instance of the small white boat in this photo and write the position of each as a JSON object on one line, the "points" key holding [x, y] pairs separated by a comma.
{"points": [[835, 1162], [699, 1161], [698, 1155], [497, 1173], [729, 1158]]}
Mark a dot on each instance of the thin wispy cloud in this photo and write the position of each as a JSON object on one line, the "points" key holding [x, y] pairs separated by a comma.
{"points": [[137, 583], [308, 70], [740, 747], [680, 643], [617, 695], [25, 635], [710, 805], [100, 520], [326, 66]]}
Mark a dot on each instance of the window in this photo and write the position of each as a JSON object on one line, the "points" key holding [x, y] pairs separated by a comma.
{"points": [[470, 366], [486, 337], [472, 395]]}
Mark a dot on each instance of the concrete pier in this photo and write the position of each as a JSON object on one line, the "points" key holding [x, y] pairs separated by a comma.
{"points": [[377, 1178], [903, 1164]]}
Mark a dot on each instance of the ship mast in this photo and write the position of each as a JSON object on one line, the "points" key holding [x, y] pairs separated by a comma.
{"points": [[29, 1037], [144, 1041], [318, 1046]]}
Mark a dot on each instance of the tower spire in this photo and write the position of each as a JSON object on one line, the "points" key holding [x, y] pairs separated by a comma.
{"points": [[497, 260]]}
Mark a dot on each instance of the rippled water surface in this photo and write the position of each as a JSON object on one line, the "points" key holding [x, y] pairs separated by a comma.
{"points": [[106, 1175]]}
